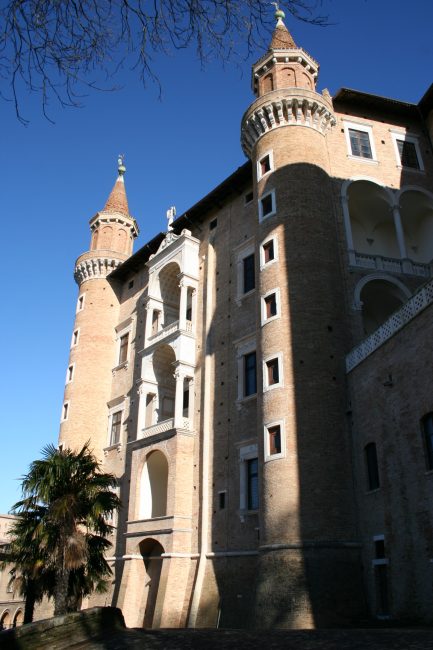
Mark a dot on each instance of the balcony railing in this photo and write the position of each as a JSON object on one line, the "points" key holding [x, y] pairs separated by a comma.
{"points": [[165, 425], [167, 331], [399, 319], [391, 264]]}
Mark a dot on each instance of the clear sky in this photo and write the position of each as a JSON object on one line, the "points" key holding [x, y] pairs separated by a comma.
{"points": [[55, 177]]}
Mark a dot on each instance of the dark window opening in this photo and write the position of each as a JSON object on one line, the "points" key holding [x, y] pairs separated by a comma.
{"points": [[271, 305], [249, 197], [253, 484], [123, 351], [249, 273], [273, 371], [372, 466], [407, 151], [116, 420], [360, 143], [250, 374], [213, 224], [379, 549], [222, 500], [267, 205], [427, 428], [274, 434], [268, 251], [265, 165], [131, 284]]}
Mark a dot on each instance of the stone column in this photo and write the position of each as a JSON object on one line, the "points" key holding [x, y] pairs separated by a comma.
{"points": [[182, 305], [178, 402], [348, 229]]}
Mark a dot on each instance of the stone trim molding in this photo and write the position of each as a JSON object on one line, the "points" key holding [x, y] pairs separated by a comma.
{"points": [[422, 299], [294, 106], [95, 268]]}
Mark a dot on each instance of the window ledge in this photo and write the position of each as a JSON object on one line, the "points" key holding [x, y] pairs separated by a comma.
{"points": [[273, 386], [266, 264], [240, 297], [267, 216], [429, 472], [369, 161], [117, 446], [411, 169], [248, 398], [373, 491], [269, 320], [125, 365]]}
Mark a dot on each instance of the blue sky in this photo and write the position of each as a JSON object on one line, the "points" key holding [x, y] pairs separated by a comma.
{"points": [[55, 177]]}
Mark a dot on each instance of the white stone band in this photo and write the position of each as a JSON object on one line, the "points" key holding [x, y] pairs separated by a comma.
{"points": [[95, 267]]}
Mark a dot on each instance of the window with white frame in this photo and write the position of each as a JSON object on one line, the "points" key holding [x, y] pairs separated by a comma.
{"points": [[270, 305], [273, 372], [65, 411], [75, 337], [123, 334], [246, 269], [407, 151], [268, 251], [70, 373], [360, 142], [249, 478], [265, 164], [267, 205], [247, 368], [80, 302], [274, 440]]}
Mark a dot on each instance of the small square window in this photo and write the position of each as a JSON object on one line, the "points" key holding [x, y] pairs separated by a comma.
{"points": [[268, 251], [360, 143], [273, 373], [250, 374], [213, 224], [116, 422], [265, 164], [407, 153], [379, 549], [270, 306], [123, 348], [249, 273], [267, 205], [274, 440]]}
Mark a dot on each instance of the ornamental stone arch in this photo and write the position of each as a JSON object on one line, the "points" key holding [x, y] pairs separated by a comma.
{"points": [[416, 211], [5, 620], [377, 296], [153, 487], [18, 618]]}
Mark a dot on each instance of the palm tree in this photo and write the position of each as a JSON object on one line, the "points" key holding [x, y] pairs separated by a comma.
{"points": [[63, 512]]}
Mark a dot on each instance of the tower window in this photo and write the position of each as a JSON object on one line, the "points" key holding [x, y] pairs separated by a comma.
{"points": [[267, 205], [116, 422], [268, 251], [213, 224], [75, 336], [253, 483], [272, 372], [274, 441], [372, 468], [274, 436], [249, 197], [270, 306], [427, 430], [249, 273], [265, 164], [70, 373], [407, 151], [222, 500], [250, 374], [123, 348], [65, 411]]}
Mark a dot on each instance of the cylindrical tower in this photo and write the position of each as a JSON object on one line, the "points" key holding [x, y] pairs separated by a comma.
{"points": [[308, 559], [94, 348]]}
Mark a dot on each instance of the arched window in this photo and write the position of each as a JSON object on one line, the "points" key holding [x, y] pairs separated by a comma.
{"points": [[5, 621], [371, 466], [371, 219], [105, 237], [416, 210], [153, 486], [170, 293], [379, 298], [18, 618], [268, 83]]}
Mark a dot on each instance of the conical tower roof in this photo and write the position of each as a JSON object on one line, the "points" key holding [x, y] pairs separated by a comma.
{"points": [[281, 38], [117, 201]]}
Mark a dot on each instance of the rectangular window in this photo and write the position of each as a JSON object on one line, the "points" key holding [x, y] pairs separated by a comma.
{"points": [[123, 348], [222, 500], [249, 273], [250, 374], [407, 152], [268, 251], [249, 197], [213, 224], [360, 143], [65, 411], [80, 303], [70, 373], [116, 423], [372, 468], [75, 337], [265, 164], [273, 373], [270, 306], [267, 205], [274, 440], [253, 483], [427, 429]]}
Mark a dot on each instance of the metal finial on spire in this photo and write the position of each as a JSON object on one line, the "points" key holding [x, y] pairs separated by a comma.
{"points": [[171, 213], [121, 164], [279, 13]]}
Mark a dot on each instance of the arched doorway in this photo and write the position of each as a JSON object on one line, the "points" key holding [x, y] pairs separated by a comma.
{"points": [[18, 618], [5, 621], [153, 486], [379, 298], [151, 551]]}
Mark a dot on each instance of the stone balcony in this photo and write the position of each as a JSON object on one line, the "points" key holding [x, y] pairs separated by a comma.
{"points": [[184, 424], [390, 264], [168, 331]]}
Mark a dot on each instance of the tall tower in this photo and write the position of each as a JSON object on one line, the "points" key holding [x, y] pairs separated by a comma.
{"points": [[94, 348], [307, 572]]}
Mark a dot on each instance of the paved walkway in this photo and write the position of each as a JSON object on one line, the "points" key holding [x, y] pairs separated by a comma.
{"points": [[392, 639]]}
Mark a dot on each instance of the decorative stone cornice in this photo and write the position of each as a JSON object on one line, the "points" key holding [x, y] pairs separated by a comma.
{"points": [[294, 106], [96, 267], [106, 218]]}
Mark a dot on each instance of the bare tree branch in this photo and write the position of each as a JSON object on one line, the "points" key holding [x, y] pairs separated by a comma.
{"points": [[59, 48]]}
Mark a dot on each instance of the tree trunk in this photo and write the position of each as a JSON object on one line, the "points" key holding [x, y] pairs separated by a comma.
{"points": [[61, 592], [29, 607]]}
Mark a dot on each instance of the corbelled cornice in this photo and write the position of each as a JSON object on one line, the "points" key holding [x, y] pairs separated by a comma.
{"points": [[95, 267]]}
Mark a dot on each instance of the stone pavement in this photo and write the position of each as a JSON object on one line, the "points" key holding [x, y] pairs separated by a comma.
{"points": [[382, 639]]}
